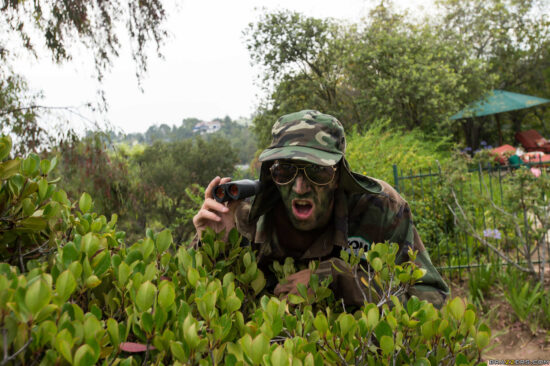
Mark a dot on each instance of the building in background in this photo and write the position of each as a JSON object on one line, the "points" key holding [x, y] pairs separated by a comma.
{"points": [[207, 127]]}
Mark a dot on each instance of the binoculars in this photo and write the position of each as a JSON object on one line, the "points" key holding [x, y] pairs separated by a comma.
{"points": [[236, 190]]}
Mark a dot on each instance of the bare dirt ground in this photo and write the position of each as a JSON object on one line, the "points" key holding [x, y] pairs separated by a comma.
{"points": [[511, 340]]}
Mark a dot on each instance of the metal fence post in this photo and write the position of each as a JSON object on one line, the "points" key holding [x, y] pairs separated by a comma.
{"points": [[395, 178]]}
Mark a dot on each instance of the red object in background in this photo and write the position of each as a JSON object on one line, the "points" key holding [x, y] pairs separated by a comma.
{"points": [[533, 157], [531, 140], [499, 153]]}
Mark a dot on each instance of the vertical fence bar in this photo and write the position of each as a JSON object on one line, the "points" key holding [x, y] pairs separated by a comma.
{"points": [[500, 185], [395, 178], [434, 212], [412, 183]]}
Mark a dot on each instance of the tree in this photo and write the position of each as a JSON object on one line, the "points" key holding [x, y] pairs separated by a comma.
{"points": [[412, 74], [59, 25], [384, 68], [62, 28], [301, 65], [168, 169], [513, 38]]}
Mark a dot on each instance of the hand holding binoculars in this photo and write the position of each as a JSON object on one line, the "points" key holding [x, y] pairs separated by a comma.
{"points": [[236, 190]]}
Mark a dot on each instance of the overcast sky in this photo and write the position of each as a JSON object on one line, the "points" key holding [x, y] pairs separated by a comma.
{"points": [[206, 72]]}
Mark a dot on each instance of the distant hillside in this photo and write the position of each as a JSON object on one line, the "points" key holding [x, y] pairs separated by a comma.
{"points": [[237, 132]]}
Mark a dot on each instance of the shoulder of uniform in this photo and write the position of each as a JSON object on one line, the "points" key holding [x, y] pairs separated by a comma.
{"points": [[389, 200]]}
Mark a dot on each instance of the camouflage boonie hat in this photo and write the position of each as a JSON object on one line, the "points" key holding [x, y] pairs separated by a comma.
{"points": [[309, 136], [313, 137]]}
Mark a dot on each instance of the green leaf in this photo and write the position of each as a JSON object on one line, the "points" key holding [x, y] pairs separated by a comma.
{"points": [[320, 323], [373, 317], [383, 329], [456, 308], [147, 322], [347, 323], [85, 202], [90, 244], [376, 264], [28, 166], [9, 168], [5, 147], [164, 240], [84, 356], [279, 357], [386, 344], [65, 285], [234, 237], [461, 360], [469, 317], [37, 296], [42, 188], [482, 340], [177, 350], [65, 349], [145, 296], [259, 347], [191, 336], [123, 273], [33, 223], [233, 303], [92, 281], [45, 166], [423, 361], [167, 294], [112, 329], [147, 247], [193, 276], [259, 283]]}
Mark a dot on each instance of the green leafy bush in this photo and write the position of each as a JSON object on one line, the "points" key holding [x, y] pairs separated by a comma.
{"points": [[375, 151], [94, 299]]}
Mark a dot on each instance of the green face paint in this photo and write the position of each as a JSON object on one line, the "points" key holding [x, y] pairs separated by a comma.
{"points": [[309, 206]]}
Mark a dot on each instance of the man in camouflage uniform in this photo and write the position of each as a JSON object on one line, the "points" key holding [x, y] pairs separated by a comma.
{"points": [[312, 206]]}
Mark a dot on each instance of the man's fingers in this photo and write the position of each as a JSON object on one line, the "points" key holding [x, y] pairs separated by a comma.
{"points": [[283, 288], [208, 191], [211, 204], [205, 215]]}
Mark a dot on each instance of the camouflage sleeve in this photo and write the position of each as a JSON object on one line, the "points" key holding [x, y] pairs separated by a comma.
{"points": [[431, 286]]}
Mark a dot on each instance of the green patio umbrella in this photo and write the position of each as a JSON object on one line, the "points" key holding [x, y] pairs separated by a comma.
{"points": [[498, 101]]}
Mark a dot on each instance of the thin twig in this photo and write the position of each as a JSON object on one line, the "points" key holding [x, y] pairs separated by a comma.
{"points": [[5, 338], [6, 360], [146, 352], [21, 263]]}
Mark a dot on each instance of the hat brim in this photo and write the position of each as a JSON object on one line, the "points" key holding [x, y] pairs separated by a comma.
{"points": [[301, 153]]}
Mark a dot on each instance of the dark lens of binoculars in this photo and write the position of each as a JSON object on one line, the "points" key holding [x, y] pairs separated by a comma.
{"points": [[234, 190], [220, 192]]}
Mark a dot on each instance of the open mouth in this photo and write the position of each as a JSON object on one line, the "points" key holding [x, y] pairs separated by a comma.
{"points": [[302, 209]]}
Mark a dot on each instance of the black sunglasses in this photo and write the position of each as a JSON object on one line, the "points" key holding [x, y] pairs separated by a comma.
{"points": [[284, 173]]}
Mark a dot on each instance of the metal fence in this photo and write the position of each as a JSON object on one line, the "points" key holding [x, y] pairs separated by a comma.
{"points": [[451, 247]]}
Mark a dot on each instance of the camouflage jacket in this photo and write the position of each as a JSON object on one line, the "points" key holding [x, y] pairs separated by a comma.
{"points": [[359, 220]]}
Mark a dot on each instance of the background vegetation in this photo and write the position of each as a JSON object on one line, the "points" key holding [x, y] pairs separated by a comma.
{"points": [[393, 81]]}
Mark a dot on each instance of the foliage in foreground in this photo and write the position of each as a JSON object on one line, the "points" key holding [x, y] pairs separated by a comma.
{"points": [[89, 298]]}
